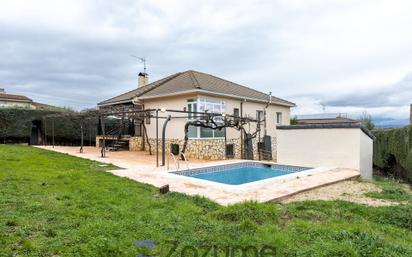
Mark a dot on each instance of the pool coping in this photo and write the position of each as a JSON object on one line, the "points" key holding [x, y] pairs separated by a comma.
{"points": [[247, 186]]}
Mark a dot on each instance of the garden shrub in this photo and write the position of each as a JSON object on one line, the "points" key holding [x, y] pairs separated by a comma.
{"points": [[392, 152]]}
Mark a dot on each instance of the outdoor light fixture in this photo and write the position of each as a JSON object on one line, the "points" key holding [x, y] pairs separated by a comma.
{"points": [[223, 114], [163, 109], [135, 101]]}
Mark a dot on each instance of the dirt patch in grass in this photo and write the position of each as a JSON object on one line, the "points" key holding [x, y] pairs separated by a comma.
{"points": [[352, 191]]}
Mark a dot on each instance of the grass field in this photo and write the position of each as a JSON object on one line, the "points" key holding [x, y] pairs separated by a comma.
{"points": [[57, 205]]}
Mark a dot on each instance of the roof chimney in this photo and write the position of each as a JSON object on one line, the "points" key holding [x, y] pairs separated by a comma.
{"points": [[143, 79]]}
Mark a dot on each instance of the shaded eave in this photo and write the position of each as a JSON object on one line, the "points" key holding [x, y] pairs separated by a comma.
{"points": [[105, 103], [200, 91]]}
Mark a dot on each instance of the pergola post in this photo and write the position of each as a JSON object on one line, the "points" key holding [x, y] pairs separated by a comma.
{"points": [[81, 136], [45, 132], [164, 139], [90, 133], [104, 137], [225, 149], [157, 137], [242, 151], [53, 131]]}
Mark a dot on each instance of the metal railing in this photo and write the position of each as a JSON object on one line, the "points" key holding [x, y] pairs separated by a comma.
{"points": [[177, 161], [185, 159]]}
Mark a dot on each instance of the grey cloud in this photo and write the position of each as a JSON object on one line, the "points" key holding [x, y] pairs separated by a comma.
{"points": [[396, 95], [283, 49]]}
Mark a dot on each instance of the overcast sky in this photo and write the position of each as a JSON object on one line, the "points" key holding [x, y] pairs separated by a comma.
{"points": [[348, 56]]}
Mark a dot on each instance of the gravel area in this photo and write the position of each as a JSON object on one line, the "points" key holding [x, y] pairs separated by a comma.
{"points": [[352, 191]]}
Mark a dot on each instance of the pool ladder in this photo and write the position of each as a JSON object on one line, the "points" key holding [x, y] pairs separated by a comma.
{"points": [[265, 155], [177, 161]]}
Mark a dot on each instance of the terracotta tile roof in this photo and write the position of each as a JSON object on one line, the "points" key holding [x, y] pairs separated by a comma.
{"points": [[191, 82], [14, 98]]}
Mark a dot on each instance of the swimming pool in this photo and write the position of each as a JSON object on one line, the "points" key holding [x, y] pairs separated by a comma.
{"points": [[241, 173]]}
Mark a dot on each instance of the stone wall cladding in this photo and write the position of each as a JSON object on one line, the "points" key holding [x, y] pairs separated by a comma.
{"points": [[206, 149], [274, 149], [210, 149], [135, 143]]}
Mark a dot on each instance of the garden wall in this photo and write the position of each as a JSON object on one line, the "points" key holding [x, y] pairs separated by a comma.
{"points": [[331, 145]]}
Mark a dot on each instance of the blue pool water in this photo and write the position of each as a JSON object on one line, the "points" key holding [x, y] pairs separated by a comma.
{"points": [[240, 172], [241, 175]]}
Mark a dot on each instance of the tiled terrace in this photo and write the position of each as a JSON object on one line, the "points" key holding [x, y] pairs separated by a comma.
{"points": [[141, 167]]}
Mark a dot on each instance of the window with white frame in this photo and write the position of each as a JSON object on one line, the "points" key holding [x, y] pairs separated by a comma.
{"points": [[278, 118], [203, 105]]}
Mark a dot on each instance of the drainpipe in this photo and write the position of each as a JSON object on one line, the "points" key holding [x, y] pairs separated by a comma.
{"points": [[264, 113], [163, 139], [143, 131]]}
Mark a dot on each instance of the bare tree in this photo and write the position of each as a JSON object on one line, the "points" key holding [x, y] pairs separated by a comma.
{"points": [[366, 120]]}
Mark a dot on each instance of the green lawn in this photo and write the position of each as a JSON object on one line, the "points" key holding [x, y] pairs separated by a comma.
{"points": [[57, 205]]}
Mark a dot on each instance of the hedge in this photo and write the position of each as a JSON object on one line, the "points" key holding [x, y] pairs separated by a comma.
{"points": [[392, 152], [16, 124]]}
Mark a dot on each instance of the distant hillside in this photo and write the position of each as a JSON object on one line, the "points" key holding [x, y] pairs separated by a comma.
{"points": [[41, 106], [390, 123]]}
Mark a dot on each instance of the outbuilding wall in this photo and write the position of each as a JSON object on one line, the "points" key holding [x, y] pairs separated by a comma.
{"points": [[331, 147]]}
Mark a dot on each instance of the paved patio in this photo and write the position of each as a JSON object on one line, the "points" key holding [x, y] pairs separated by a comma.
{"points": [[141, 167]]}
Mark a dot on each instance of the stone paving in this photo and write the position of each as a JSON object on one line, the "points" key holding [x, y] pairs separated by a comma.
{"points": [[141, 167]]}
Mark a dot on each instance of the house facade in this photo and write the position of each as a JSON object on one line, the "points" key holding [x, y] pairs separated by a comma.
{"points": [[14, 101], [193, 91]]}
